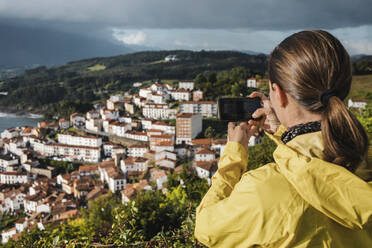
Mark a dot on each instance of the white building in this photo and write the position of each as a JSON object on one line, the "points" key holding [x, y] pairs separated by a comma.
{"points": [[79, 140], [165, 154], [159, 176], [117, 98], [137, 150], [156, 139], [7, 234], [146, 124], [197, 95], [166, 163], [5, 161], [164, 146], [170, 58], [205, 108], [357, 103], [77, 120], [125, 119], [166, 128], [253, 140], [144, 92], [204, 155], [251, 83], [92, 114], [158, 111], [116, 181], [133, 164], [13, 177], [158, 98], [85, 153], [119, 129], [63, 124], [134, 135], [94, 125], [10, 133], [188, 126], [109, 114], [181, 95], [205, 169], [186, 85], [137, 84]]}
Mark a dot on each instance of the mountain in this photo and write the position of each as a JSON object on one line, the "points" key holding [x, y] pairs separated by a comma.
{"points": [[94, 79]]}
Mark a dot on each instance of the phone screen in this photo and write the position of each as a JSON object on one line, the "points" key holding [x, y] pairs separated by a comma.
{"points": [[237, 109]]}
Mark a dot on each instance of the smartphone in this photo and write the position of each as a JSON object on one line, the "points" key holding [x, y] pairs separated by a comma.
{"points": [[237, 109]]}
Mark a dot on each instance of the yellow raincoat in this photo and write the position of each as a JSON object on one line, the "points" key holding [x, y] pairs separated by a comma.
{"points": [[298, 201]]}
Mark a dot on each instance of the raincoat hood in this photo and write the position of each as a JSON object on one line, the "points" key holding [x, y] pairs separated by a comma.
{"points": [[329, 188]]}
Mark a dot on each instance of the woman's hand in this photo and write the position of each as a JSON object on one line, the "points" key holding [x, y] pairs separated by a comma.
{"points": [[269, 120], [241, 133]]}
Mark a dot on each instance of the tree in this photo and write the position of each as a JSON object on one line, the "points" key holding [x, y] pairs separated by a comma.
{"points": [[209, 132]]}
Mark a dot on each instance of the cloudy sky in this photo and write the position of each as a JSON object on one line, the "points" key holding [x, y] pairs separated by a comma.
{"points": [[55, 31]]}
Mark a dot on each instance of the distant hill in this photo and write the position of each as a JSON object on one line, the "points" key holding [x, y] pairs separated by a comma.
{"points": [[94, 79]]}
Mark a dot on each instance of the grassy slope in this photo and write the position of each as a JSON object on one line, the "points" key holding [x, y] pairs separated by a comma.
{"points": [[361, 87]]}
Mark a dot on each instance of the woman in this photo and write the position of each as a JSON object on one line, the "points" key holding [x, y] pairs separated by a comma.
{"points": [[313, 195]]}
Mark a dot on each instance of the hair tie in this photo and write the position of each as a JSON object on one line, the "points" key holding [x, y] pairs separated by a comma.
{"points": [[324, 97]]}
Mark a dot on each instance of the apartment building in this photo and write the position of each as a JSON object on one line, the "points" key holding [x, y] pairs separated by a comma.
{"points": [[79, 140], [205, 108], [186, 85], [85, 153], [188, 126]]}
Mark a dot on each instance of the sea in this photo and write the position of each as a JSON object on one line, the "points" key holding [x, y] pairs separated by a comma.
{"points": [[11, 120]]}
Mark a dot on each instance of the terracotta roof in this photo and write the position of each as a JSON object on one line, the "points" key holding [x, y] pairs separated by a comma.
{"points": [[219, 141], [154, 130], [27, 130], [68, 214], [16, 236], [184, 115], [178, 168], [13, 173], [205, 151], [70, 146], [128, 192], [164, 143], [209, 166], [135, 173], [160, 123], [137, 146], [140, 160], [205, 141], [199, 102], [94, 193], [88, 167], [81, 136]]}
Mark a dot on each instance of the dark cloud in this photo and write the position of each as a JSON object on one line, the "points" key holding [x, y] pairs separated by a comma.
{"points": [[54, 32], [256, 14], [26, 45]]}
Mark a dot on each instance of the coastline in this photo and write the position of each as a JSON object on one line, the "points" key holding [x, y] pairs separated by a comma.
{"points": [[14, 115], [13, 112]]}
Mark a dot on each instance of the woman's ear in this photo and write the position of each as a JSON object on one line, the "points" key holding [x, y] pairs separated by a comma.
{"points": [[280, 94]]}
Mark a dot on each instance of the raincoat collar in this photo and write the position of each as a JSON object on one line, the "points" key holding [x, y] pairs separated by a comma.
{"points": [[329, 188]]}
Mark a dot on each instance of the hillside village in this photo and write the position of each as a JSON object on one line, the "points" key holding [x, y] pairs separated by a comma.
{"points": [[126, 145]]}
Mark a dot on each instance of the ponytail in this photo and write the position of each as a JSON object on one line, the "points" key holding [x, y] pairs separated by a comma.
{"points": [[315, 69], [345, 140]]}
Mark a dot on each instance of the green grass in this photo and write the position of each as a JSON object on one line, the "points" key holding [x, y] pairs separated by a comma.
{"points": [[361, 87], [158, 62], [97, 67]]}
